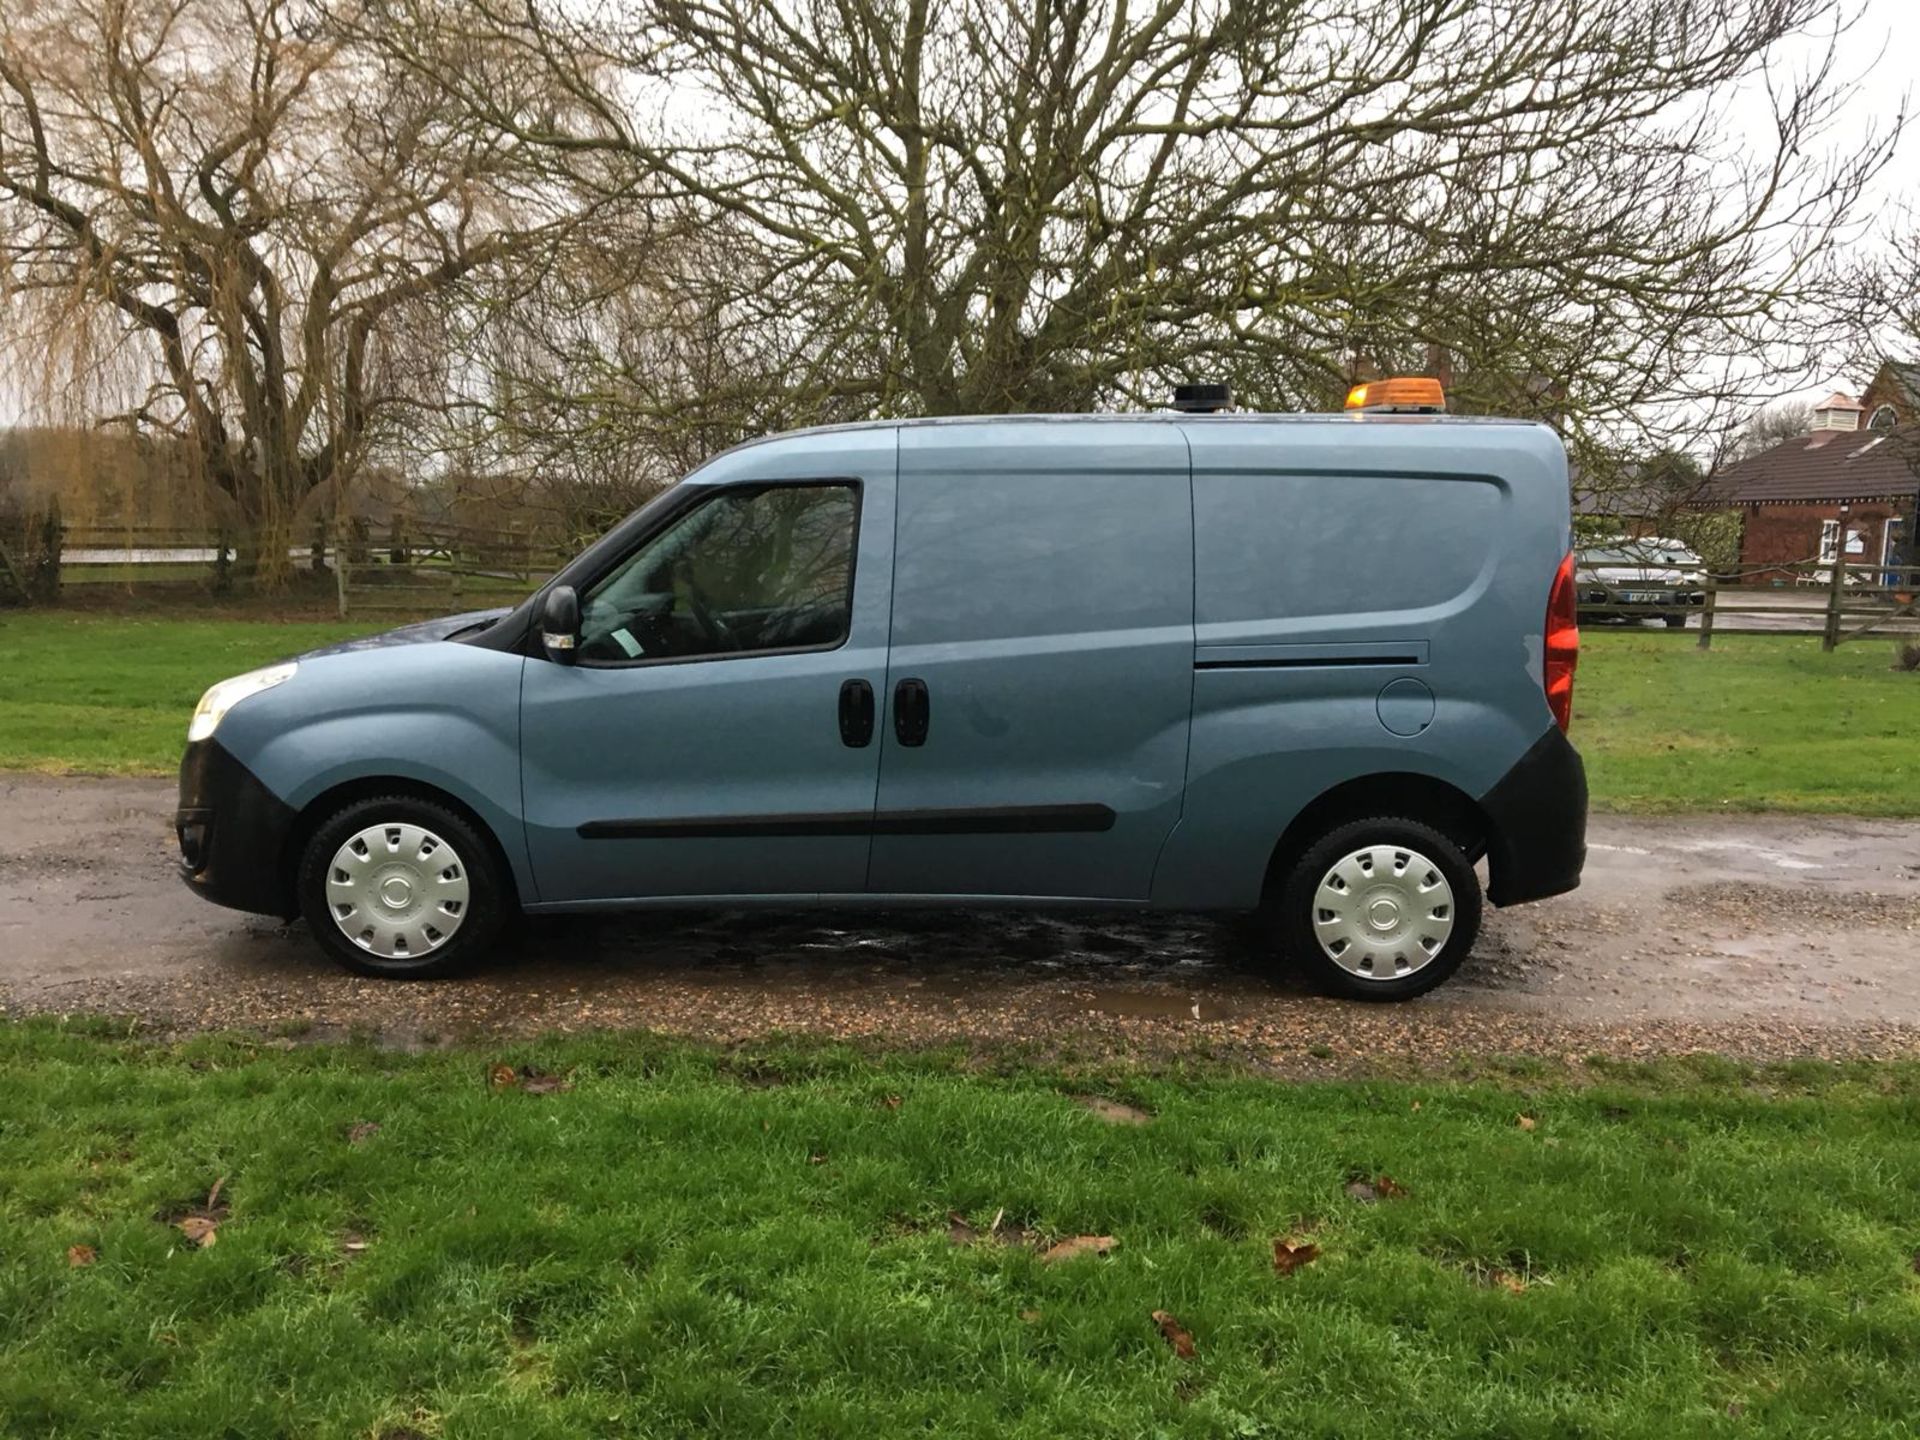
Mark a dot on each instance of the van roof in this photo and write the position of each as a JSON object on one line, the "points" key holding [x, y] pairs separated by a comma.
{"points": [[1156, 417], [1144, 417]]}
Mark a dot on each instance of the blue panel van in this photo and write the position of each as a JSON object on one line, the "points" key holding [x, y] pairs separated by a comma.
{"points": [[1311, 668]]}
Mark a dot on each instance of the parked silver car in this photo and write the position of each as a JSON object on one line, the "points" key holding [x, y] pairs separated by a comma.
{"points": [[1634, 579]]}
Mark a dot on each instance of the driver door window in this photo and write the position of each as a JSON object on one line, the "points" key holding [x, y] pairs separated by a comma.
{"points": [[752, 571]]}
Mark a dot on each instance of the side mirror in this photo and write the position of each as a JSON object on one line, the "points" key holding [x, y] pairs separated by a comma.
{"points": [[560, 624]]}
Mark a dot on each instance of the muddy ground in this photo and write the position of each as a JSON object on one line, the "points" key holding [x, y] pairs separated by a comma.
{"points": [[1755, 936]]}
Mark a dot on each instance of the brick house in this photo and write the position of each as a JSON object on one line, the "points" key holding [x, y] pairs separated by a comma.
{"points": [[1893, 399], [1844, 487]]}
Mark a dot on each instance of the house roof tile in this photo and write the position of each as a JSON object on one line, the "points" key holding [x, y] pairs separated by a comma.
{"points": [[1826, 465]]}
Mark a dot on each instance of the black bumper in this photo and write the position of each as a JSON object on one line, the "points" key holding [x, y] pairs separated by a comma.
{"points": [[1539, 817], [233, 833]]}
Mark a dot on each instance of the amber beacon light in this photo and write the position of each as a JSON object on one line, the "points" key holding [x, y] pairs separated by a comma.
{"points": [[1402, 394]]}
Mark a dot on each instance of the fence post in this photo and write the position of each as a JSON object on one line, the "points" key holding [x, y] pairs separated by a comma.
{"points": [[222, 564], [341, 553], [1706, 611], [53, 544], [1830, 639]]}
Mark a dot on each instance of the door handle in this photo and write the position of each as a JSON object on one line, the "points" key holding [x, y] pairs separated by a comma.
{"points": [[856, 714], [912, 712]]}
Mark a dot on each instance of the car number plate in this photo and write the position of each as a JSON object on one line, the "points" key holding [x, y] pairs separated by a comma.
{"points": [[1642, 597]]}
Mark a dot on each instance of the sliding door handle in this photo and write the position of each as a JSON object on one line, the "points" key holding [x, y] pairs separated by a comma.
{"points": [[856, 714], [912, 712]]}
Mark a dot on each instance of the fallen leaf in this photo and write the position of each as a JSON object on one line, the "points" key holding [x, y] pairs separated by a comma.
{"points": [[78, 1255], [502, 1077], [1079, 1245], [363, 1132], [1416, 1106], [1381, 1187], [1113, 1112], [1289, 1257], [1525, 1122], [817, 1158], [890, 1102], [201, 1225], [1181, 1341], [1032, 1317], [1506, 1280]]}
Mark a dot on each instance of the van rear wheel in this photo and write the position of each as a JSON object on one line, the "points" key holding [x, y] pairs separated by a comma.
{"points": [[1380, 909], [401, 888]]}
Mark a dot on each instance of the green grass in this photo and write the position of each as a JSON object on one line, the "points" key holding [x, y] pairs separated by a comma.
{"points": [[1760, 722], [1757, 723], [130, 574], [112, 693], [692, 1243]]}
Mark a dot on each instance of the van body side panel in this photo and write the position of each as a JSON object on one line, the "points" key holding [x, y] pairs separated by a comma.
{"points": [[1043, 595], [1370, 599], [724, 776], [438, 714]]}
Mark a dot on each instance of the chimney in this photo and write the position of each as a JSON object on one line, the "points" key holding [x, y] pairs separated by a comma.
{"points": [[1838, 411]]}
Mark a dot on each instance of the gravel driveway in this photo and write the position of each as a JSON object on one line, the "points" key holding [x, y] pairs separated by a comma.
{"points": [[1756, 936]]}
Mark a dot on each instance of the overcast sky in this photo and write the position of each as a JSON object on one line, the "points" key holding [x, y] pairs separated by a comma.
{"points": [[1878, 56], [1879, 52]]}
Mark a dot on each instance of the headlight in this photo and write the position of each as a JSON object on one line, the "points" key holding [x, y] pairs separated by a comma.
{"points": [[214, 705]]}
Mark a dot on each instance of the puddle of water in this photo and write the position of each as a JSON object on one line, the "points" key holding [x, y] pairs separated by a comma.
{"points": [[1159, 1005], [1777, 858]]}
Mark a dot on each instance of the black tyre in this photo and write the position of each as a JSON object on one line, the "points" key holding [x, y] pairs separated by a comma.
{"points": [[402, 888], [1380, 909]]}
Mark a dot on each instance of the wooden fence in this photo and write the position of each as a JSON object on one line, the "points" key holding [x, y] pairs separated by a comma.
{"points": [[1838, 602], [406, 567], [401, 567], [443, 569]]}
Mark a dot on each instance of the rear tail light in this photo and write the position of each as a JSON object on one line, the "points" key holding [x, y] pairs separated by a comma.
{"points": [[1563, 644]]}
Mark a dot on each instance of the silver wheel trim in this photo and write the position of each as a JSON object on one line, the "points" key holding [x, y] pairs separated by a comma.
{"points": [[1383, 912], [397, 890]]}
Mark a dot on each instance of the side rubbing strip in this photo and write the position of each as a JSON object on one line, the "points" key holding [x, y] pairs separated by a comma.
{"points": [[986, 820], [1297, 663], [1310, 654]]}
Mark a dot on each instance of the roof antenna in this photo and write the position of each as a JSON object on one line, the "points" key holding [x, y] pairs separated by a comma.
{"points": [[1204, 398]]}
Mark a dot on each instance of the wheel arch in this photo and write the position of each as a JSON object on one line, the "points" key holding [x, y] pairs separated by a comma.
{"points": [[1405, 795], [328, 803]]}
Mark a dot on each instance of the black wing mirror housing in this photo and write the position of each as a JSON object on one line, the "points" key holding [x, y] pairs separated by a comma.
{"points": [[560, 624]]}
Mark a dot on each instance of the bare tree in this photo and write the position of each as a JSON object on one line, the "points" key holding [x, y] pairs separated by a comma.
{"points": [[1770, 426], [1887, 293], [224, 218], [979, 205]]}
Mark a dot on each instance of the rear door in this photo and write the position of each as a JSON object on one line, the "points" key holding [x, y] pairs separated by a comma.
{"points": [[1040, 676]]}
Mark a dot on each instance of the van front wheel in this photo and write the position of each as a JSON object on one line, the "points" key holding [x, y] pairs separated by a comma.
{"points": [[1380, 909], [401, 888]]}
